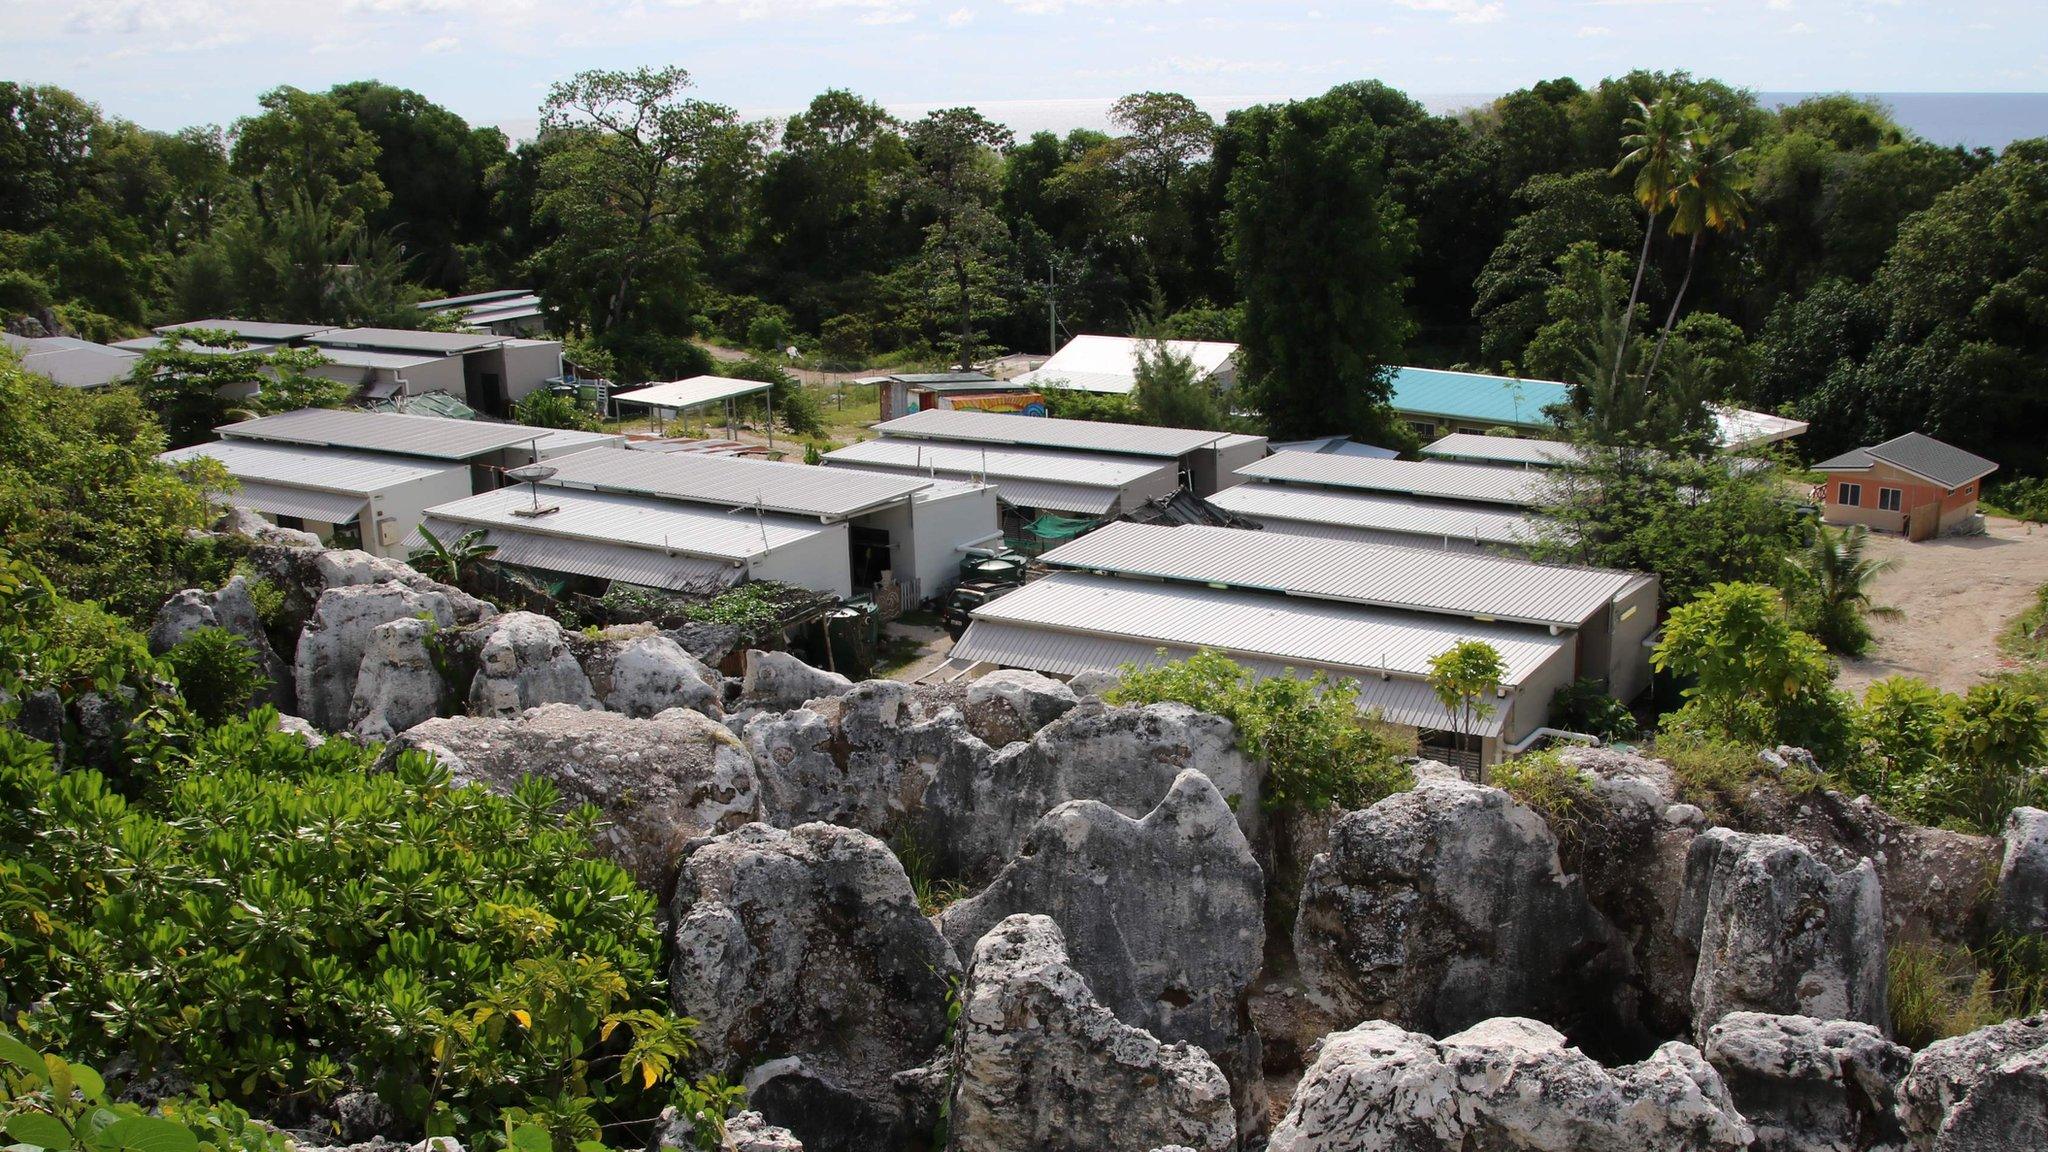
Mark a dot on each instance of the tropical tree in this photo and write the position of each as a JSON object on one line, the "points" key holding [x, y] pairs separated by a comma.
{"points": [[1463, 676], [308, 146], [1828, 585], [1708, 198], [1656, 136], [448, 561], [954, 182], [1757, 680], [1171, 392]]}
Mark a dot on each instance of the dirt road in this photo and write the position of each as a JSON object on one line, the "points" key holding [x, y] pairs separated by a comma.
{"points": [[1958, 594]]}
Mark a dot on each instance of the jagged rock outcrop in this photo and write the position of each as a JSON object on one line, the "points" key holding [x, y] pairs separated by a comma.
{"points": [[659, 782], [744, 1132], [1011, 705], [1093, 684], [397, 683], [524, 661], [1041, 1064], [232, 609], [1442, 906], [640, 675], [1504, 1085], [238, 521], [1810, 1085], [979, 809], [1163, 916], [2022, 903], [1983, 1092], [863, 758], [804, 957], [330, 653], [1780, 932], [778, 682]]}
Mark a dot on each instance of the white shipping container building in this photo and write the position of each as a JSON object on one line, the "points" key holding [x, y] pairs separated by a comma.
{"points": [[1207, 461]]}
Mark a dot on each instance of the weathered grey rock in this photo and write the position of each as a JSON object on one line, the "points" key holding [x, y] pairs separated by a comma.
{"points": [[1092, 683], [397, 684], [1163, 916], [804, 956], [238, 521], [1504, 1085], [231, 609], [659, 782], [979, 809], [1810, 1085], [863, 759], [1443, 906], [1042, 1065], [778, 682], [523, 661], [645, 674], [297, 726], [1982, 1092], [2022, 904], [744, 1132], [330, 653], [1780, 932], [1012, 704]]}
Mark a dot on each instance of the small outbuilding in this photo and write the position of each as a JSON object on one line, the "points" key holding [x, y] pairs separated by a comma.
{"points": [[1108, 365], [1206, 461], [1912, 484], [348, 499]]}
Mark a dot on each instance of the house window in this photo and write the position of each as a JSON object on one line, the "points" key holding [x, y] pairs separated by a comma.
{"points": [[1851, 496], [1888, 499]]}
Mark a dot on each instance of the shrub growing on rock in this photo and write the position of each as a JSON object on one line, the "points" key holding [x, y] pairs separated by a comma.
{"points": [[1319, 748], [217, 673]]}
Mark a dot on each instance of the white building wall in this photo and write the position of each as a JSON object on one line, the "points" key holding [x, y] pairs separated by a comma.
{"points": [[527, 367], [925, 540], [395, 512], [822, 563]]}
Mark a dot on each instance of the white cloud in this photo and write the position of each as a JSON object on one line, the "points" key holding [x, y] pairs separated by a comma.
{"points": [[1779, 5], [1460, 11], [959, 17], [1799, 29], [1592, 31], [444, 44]]}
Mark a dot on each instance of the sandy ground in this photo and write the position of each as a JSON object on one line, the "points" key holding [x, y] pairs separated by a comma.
{"points": [[933, 646], [1958, 594]]}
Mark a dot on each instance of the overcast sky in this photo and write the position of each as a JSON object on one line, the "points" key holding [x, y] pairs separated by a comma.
{"points": [[167, 63]]}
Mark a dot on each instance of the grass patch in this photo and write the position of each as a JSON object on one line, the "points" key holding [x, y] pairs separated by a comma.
{"points": [[920, 863], [1937, 991], [2026, 638], [1718, 776], [1558, 793]]}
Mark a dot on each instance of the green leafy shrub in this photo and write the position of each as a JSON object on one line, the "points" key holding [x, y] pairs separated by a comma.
{"points": [[217, 673], [545, 409], [1935, 991], [1757, 680], [280, 923], [1557, 791], [1719, 775], [48, 1102], [1319, 749], [1584, 706]]}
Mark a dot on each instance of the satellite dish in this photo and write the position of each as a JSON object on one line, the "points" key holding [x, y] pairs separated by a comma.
{"points": [[531, 475]]}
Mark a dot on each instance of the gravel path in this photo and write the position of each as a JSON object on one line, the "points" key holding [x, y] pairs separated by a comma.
{"points": [[1958, 594]]}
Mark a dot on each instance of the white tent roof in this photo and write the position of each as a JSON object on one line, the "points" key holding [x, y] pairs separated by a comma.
{"points": [[1109, 364], [690, 393], [1736, 428]]}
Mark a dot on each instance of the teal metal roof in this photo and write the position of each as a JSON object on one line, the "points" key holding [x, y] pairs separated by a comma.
{"points": [[1473, 396]]}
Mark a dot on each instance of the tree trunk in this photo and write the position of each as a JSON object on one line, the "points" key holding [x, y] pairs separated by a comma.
{"points": [[966, 311], [1692, 253], [1628, 317]]}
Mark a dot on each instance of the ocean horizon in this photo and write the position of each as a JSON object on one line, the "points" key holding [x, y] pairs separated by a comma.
{"points": [[1966, 119]]}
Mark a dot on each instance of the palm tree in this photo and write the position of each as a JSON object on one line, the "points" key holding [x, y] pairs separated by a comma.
{"points": [[446, 562], [1657, 134], [1707, 198], [1830, 587]]}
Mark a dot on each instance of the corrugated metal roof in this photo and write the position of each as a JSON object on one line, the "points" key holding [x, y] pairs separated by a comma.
{"points": [[400, 433], [360, 473], [76, 363], [678, 394], [1398, 701], [147, 344], [639, 521], [1373, 512], [1457, 584], [256, 330], [472, 299], [1109, 364], [1742, 428], [1474, 396], [1353, 638], [734, 481], [1092, 469], [406, 340], [366, 358], [561, 441], [652, 567], [1337, 446], [1049, 495], [1432, 479], [305, 503], [1052, 432], [1475, 449]]}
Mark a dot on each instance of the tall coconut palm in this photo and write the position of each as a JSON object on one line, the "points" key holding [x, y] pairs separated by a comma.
{"points": [[1829, 586], [1656, 135], [1708, 198]]}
